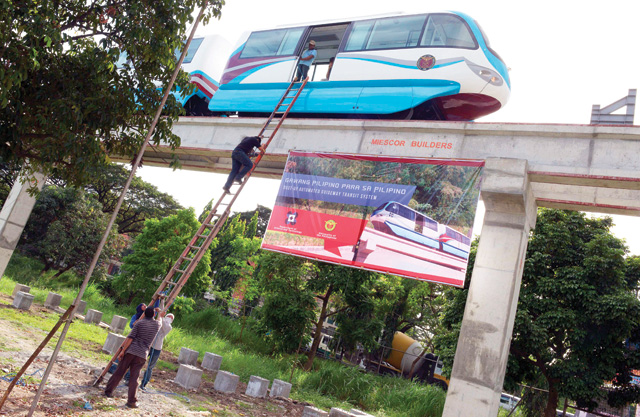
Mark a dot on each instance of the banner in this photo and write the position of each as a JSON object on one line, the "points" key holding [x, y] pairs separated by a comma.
{"points": [[403, 216]]}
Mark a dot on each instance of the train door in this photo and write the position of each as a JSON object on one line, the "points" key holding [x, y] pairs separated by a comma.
{"points": [[327, 97], [328, 39]]}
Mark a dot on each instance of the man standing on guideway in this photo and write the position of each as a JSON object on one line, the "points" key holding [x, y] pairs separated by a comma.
{"points": [[240, 158]]}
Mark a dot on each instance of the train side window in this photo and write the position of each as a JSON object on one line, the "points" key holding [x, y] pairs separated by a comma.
{"points": [[272, 43], [406, 212], [401, 32], [447, 30], [358, 36], [291, 39], [191, 52]]}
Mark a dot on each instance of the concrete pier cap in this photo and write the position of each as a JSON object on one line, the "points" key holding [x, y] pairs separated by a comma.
{"points": [[23, 300], [112, 343], [211, 361], [188, 377], [93, 316], [53, 300], [20, 287], [188, 357], [226, 382], [257, 387], [118, 323], [280, 388]]}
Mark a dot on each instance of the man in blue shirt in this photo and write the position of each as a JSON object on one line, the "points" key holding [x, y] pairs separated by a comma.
{"points": [[306, 59]]}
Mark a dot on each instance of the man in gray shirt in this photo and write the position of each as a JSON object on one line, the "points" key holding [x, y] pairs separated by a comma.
{"points": [[135, 349], [156, 348]]}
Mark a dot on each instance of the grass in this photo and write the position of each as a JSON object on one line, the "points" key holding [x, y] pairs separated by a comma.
{"points": [[330, 384]]}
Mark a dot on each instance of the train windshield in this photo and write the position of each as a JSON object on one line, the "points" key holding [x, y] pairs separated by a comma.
{"points": [[279, 42], [447, 30], [401, 211]]}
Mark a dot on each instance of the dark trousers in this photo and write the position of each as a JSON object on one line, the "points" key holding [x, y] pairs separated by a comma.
{"points": [[154, 354], [132, 363], [239, 159], [301, 72]]}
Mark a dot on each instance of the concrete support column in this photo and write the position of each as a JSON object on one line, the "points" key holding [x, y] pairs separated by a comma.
{"points": [[13, 217], [485, 335]]}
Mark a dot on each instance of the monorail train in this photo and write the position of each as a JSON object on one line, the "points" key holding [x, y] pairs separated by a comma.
{"points": [[205, 63], [436, 66], [399, 220]]}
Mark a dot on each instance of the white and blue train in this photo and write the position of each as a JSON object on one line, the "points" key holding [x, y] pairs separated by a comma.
{"points": [[399, 220], [436, 66]]}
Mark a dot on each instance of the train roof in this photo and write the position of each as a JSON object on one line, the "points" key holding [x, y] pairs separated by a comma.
{"points": [[354, 19]]}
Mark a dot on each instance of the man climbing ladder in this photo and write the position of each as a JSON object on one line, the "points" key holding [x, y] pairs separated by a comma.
{"points": [[240, 157], [212, 224]]}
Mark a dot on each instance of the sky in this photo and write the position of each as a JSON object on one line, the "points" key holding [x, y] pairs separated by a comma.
{"points": [[564, 56]]}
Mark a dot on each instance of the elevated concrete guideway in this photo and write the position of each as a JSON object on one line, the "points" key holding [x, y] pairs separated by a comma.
{"points": [[578, 167]]}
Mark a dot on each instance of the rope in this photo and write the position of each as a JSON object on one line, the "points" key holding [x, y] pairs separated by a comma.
{"points": [[10, 376]]}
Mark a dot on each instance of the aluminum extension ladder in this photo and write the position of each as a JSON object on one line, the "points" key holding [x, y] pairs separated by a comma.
{"points": [[213, 223]]}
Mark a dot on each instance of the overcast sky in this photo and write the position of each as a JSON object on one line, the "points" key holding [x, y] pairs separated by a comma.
{"points": [[564, 56]]}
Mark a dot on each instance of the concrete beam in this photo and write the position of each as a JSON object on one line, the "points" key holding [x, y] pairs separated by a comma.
{"points": [[572, 156], [485, 336]]}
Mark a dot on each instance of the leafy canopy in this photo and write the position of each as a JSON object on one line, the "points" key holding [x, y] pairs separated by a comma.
{"points": [[577, 308], [64, 104]]}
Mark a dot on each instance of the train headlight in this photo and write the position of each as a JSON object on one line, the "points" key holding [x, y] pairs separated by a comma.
{"points": [[487, 74]]}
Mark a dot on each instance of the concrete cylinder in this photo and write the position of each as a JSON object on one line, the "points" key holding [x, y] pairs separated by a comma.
{"points": [[53, 301], [112, 343], [188, 377], [20, 287], [23, 300], [280, 389], [211, 361], [93, 316], [118, 324], [188, 357], [257, 387], [226, 382], [309, 411]]}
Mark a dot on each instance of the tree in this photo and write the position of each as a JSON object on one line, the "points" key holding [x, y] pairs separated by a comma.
{"points": [[64, 230], [142, 201], [289, 307], [155, 250], [301, 281], [263, 215], [577, 308], [64, 104]]}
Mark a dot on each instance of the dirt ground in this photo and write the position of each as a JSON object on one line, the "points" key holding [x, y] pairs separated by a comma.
{"points": [[69, 389]]}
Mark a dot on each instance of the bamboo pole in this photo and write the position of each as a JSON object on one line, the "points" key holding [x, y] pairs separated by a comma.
{"points": [[135, 166]]}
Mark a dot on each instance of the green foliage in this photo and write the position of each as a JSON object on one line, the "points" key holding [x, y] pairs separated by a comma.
{"points": [[64, 105], [288, 311], [65, 229], [183, 306], [155, 251], [576, 309]]}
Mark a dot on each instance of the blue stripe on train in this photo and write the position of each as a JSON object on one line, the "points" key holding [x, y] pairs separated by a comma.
{"points": [[361, 96], [454, 251]]}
